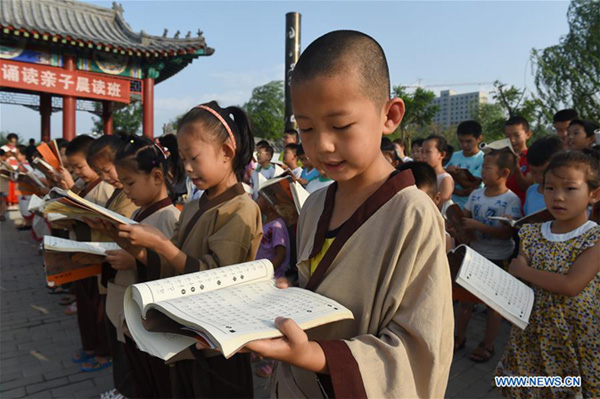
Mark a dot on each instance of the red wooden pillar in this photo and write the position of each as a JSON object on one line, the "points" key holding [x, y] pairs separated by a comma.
{"points": [[148, 107], [46, 112], [69, 105], [107, 117]]}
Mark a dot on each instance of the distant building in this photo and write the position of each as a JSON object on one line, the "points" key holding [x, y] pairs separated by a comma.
{"points": [[455, 108]]}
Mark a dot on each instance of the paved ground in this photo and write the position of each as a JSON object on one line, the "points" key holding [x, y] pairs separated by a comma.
{"points": [[37, 339]]}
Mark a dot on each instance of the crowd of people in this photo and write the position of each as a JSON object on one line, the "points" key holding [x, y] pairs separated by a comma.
{"points": [[373, 235]]}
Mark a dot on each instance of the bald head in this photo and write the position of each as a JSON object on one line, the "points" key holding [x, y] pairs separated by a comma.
{"points": [[351, 53]]}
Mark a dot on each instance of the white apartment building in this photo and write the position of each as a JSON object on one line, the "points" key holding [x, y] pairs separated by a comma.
{"points": [[455, 108]]}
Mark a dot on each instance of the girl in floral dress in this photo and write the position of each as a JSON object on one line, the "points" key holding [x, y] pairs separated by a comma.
{"points": [[561, 260]]}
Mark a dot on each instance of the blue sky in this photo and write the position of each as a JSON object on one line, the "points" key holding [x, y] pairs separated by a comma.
{"points": [[443, 43]]}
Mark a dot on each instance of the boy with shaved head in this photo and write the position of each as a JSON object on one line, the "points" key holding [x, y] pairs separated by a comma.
{"points": [[372, 241]]}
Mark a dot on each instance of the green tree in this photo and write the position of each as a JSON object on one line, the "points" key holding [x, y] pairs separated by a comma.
{"points": [[266, 110], [511, 101], [568, 74], [127, 119], [419, 114]]}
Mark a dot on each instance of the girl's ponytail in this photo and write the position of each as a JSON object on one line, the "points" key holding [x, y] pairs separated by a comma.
{"points": [[245, 145]]}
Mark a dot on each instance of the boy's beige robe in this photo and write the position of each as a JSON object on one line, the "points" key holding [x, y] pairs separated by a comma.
{"points": [[392, 273]]}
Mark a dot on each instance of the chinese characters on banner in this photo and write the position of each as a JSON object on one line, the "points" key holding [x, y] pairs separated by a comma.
{"points": [[59, 81]]}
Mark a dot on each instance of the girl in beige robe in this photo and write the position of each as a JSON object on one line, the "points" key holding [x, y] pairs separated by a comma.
{"points": [[222, 228]]}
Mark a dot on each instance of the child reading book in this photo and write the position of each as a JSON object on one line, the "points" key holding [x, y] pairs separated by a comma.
{"points": [[492, 238], [469, 158], [222, 228], [560, 260], [400, 342], [90, 321], [142, 167]]}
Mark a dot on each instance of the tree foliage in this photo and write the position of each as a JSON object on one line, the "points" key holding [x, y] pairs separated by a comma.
{"points": [[567, 75], [266, 110], [511, 101], [419, 113], [127, 119]]}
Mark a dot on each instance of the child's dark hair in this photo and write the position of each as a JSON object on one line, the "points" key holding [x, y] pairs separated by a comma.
{"points": [[424, 174], [418, 142], [469, 128], [2, 152], [441, 143], [565, 115], [543, 149], [143, 155], [292, 147], [448, 157], [517, 120], [387, 147], [11, 136], [505, 159], [236, 120], [105, 147], [589, 126], [400, 142], [268, 149], [300, 151], [588, 161], [62, 143], [169, 144], [262, 143], [291, 132], [79, 145], [343, 52]]}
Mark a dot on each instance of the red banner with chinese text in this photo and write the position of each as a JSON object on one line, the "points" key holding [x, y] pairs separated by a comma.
{"points": [[61, 82]]}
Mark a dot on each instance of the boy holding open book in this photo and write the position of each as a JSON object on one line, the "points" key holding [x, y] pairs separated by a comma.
{"points": [[399, 343]]}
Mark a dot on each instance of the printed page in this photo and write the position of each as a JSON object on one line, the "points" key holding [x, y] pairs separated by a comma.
{"points": [[64, 245], [69, 203], [35, 203], [192, 284], [162, 345], [497, 288], [300, 195], [239, 314]]}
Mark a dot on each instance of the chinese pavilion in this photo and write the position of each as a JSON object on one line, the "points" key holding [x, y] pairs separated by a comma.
{"points": [[65, 54]]}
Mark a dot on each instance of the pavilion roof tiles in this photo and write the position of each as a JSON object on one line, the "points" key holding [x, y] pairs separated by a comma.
{"points": [[85, 25]]}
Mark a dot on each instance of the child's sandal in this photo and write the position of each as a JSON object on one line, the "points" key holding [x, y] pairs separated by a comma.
{"points": [[481, 354]]}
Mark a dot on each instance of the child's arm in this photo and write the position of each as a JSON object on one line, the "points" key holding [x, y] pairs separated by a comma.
{"points": [[280, 253], [584, 269], [503, 232], [446, 189]]}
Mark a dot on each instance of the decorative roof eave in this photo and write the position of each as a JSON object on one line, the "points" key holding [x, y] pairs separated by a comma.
{"points": [[112, 33]]}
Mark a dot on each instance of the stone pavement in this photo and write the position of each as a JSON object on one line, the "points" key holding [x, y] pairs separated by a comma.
{"points": [[37, 339]]}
